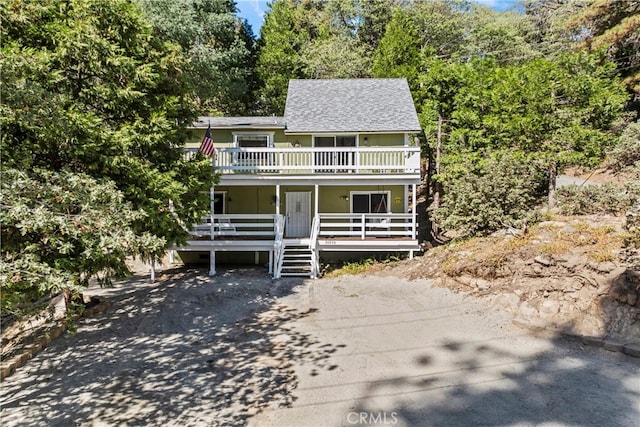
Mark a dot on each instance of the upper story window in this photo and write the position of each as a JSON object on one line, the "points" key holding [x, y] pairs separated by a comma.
{"points": [[335, 141], [330, 157], [253, 140]]}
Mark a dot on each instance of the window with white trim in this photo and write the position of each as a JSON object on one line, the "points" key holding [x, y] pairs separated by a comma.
{"points": [[253, 140], [219, 202], [331, 157], [373, 202], [363, 202]]}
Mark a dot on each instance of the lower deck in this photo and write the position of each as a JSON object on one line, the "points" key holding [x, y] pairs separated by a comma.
{"points": [[328, 233]]}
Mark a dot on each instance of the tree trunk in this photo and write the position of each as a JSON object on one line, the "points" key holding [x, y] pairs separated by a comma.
{"points": [[437, 187], [553, 173]]}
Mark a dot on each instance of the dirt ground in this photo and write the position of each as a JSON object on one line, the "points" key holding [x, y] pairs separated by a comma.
{"points": [[571, 272], [240, 349]]}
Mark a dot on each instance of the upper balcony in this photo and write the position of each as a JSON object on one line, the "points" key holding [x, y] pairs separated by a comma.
{"points": [[402, 160]]}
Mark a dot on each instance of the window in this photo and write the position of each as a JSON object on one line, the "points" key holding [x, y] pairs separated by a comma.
{"points": [[370, 203], [253, 140], [332, 157], [219, 202]]}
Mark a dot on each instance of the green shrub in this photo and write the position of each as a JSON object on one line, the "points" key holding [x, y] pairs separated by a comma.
{"points": [[593, 199], [626, 154], [484, 196]]}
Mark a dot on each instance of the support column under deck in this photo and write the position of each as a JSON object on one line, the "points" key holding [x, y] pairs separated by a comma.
{"points": [[414, 215], [212, 253]]}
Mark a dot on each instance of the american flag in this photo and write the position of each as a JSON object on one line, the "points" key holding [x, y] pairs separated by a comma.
{"points": [[206, 146]]}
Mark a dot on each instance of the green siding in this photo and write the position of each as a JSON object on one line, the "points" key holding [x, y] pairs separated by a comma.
{"points": [[382, 140], [224, 138], [259, 199]]}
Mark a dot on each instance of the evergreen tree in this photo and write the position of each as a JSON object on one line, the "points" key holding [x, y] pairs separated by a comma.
{"points": [[220, 49], [90, 96], [281, 42], [614, 26]]}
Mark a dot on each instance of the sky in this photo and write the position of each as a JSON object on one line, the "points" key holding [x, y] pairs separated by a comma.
{"points": [[253, 10]]}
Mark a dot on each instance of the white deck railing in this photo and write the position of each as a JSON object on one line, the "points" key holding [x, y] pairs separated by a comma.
{"points": [[302, 160], [247, 225], [325, 226], [362, 226]]}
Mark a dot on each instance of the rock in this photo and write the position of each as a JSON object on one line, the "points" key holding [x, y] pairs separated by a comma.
{"points": [[543, 260], [557, 224], [632, 349], [632, 332], [536, 270], [605, 267], [530, 324], [612, 345], [482, 284], [509, 301], [549, 307], [571, 263], [594, 341], [572, 285], [527, 311]]}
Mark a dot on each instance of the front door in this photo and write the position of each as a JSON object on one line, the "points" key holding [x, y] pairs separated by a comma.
{"points": [[298, 212]]}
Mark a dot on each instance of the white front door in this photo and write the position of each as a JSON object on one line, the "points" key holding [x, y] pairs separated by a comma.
{"points": [[298, 212]]}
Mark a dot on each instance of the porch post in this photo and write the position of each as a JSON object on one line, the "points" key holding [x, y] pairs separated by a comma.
{"points": [[414, 214], [277, 199], [212, 253], [212, 262], [316, 197]]}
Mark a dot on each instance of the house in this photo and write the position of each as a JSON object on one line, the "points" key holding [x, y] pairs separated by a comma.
{"points": [[332, 177]]}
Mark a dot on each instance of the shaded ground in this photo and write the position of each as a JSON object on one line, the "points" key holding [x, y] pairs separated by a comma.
{"points": [[190, 350], [414, 355], [241, 349]]}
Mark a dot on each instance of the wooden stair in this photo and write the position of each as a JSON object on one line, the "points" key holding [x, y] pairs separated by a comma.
{"points": [[297, 259]]}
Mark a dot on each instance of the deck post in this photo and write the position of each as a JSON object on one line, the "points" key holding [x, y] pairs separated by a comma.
{"points": [[212, 263], [277, 199], [413, 211], [212, 253]]}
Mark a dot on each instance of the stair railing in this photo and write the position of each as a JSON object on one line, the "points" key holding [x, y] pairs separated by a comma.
{"points": [[278, 245], [313, 247]]}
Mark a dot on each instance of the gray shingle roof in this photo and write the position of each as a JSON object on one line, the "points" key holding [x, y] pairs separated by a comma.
{"points": [[260, 122], [350, 105]]}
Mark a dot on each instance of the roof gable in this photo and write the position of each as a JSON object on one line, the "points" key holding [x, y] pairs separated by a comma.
{"points": [[350, 105]]}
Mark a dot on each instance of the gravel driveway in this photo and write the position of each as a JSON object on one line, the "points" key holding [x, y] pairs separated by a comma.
{"points": [[242, 349]]}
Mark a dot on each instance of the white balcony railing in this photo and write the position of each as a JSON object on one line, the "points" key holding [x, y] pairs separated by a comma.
{"points": [[325, 226], [303, 160], [366, 225], [259, 226]]}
